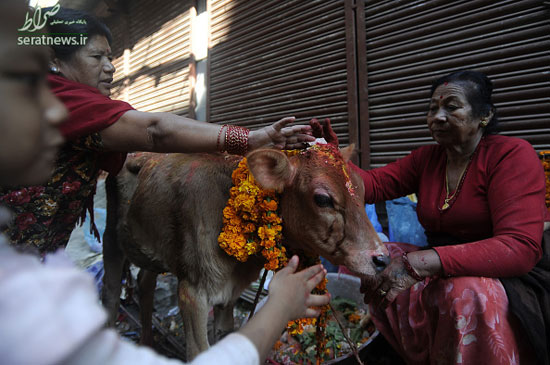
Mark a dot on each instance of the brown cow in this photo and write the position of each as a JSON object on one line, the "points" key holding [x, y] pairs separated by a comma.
{"points": [[165, 213]]}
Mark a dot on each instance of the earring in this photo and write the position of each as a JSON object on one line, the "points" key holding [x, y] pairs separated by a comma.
{"points": [[54, 69], [484, 122]]}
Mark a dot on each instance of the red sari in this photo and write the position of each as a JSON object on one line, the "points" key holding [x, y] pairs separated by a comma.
{"points": [[456, 320]]}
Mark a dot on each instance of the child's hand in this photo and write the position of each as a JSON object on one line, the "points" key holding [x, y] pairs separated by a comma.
{"points": [[292, 291]]}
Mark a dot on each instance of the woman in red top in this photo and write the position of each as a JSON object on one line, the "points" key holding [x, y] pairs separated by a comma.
{"points": [[100, 131], [481, 202]]}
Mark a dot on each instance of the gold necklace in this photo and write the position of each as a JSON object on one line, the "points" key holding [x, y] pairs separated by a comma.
{"points": [[447, 197]]}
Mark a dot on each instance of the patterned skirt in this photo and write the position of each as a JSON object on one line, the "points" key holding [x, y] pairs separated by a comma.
{"points": [[459, 320]]}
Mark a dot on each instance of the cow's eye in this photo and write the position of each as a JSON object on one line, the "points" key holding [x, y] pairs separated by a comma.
{"points": [[323, 201]]}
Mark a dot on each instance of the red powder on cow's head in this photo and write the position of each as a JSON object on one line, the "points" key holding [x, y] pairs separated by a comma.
{"points": [[331, 155]]}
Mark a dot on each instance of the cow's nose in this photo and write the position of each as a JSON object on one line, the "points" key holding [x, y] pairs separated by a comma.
{"points": [[380, 262]]}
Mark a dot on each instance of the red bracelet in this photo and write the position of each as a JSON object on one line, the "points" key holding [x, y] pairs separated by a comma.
{"points": [[218, 147], [236, 140], [410, 270]]}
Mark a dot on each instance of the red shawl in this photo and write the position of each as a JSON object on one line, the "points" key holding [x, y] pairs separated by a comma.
{"points": [[89, 112]]}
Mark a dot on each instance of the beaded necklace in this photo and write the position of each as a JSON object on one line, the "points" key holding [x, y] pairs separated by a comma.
{"points": [[449, 198]]}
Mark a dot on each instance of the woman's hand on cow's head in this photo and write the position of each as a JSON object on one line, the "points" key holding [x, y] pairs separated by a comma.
{"points": [[324, 130], [279, 136], [291, 290]]}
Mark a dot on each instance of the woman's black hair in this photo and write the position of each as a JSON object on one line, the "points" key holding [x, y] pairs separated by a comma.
{"points": [[478, 89], [68, 20]]}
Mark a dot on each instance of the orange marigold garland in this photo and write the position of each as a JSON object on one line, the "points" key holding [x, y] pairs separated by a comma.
{"points": [[251, 225]]}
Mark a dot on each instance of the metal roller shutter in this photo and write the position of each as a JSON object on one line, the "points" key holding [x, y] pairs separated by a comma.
{"points": [[118, 25], [411, 43], [271, 59], [153, 76]]}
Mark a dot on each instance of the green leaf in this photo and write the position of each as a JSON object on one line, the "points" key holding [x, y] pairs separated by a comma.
{"points": [[356, 334], [344, 304]]}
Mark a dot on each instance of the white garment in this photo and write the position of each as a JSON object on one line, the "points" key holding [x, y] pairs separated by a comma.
{"points": [[50, 314]]}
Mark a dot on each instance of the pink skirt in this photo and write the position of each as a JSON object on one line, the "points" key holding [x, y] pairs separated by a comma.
{"points": [[458, 320]]}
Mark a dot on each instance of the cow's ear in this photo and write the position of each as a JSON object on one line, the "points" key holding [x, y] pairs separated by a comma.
{"points": [[271, 168], [347, 152]]}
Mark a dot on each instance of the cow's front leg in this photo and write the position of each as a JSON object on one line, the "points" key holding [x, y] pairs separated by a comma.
{"points": [[223, 320], [193, 304]]}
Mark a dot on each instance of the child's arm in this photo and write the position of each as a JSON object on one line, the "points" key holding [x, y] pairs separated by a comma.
{"points": [[289, 298]]}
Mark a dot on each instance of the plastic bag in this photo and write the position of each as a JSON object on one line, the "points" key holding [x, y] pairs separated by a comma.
{"points": [[403, 225]]}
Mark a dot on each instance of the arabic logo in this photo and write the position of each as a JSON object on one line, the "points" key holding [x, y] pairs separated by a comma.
{"points": [[38, 20]]}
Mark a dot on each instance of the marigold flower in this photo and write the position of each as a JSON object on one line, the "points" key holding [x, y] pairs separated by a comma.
{"points": [[269, 217], [354, 318], [228, 212], [270, 205], [265, 232], [268, 243], [277, 345]]}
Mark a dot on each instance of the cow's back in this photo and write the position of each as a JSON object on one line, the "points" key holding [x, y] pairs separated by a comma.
{"points": [[170, 213]]}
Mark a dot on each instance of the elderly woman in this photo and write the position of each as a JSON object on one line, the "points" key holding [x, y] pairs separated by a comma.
{"points": [[481, 202], [100, 131]]}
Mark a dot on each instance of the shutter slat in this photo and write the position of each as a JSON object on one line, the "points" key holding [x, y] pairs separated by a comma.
{"points": [[411, 44], [159, 56], [292, 65]]}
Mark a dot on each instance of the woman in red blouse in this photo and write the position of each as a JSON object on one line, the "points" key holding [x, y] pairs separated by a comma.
{"points": [[100, 131], [481, 202]]}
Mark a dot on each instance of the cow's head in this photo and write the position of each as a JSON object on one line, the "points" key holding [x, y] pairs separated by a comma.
{"points": [[322, 206]]}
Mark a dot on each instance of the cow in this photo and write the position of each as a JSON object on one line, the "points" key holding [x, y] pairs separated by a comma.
{"points": [[164, 214]]}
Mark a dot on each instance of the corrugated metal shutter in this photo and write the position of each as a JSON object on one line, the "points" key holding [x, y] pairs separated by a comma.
{"points": [[411, 43], [271, 59], [118, 25], [156, 76]]}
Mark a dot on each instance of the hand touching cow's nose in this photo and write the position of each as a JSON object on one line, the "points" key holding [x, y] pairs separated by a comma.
{"points": [[382, 288]]}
